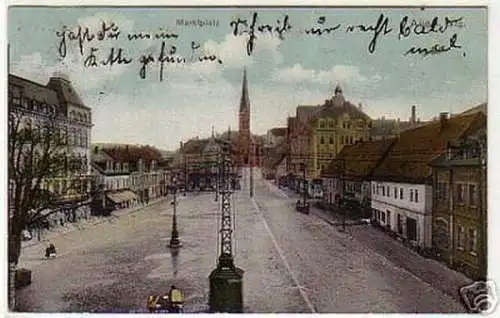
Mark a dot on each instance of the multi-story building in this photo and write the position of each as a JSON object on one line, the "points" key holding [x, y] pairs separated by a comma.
{"points": [[59, 100], [199, 162], [348, 176], [459, 232], [402, 184], [318, 133], [299, 136], [149, 179], [113, 180], [273, 138], [337, 123]]}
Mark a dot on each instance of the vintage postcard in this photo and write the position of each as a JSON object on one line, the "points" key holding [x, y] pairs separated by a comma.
{"points": [[248, 160]]}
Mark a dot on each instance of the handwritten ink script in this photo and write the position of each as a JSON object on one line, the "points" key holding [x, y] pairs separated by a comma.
{"points": [[89, 42]]}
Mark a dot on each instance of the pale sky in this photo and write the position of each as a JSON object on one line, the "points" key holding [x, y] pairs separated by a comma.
{"points": [[283, 73]]}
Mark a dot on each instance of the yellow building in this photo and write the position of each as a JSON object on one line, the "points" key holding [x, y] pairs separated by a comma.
{"points": [[336, 124]]}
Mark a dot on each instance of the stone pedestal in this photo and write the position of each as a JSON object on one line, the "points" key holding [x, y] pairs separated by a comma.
{"points": [[226, 289]]}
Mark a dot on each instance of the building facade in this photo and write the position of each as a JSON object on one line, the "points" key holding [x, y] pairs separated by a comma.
{"points": [[401, 185], [199, 162], [348, 177], [58, 99], [460, 206], [113, 179], [404, 208], [274, 137], [337, 124]]}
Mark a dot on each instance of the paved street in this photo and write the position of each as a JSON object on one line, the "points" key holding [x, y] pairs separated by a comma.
{"points": [[293, 263], [429, 270]]}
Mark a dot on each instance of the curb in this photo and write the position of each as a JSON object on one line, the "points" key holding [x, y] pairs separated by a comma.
{"points": [[100, 220]]}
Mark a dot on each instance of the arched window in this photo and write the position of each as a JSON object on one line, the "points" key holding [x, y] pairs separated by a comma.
{"points": [[441, 233], [75, 137], [82, 139], [322, 140]]}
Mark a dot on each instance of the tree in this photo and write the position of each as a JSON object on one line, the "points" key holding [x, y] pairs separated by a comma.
{"points": [[37, 152]]}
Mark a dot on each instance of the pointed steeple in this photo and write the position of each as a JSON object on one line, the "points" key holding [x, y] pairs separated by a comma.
{"points": [[245, 99]]}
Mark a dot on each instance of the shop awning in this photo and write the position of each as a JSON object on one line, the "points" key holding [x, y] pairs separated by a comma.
{"points": [[122, 196]]}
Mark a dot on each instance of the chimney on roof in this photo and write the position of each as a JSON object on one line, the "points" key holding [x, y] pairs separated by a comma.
{"points": [[443, 119], [96, 149]]}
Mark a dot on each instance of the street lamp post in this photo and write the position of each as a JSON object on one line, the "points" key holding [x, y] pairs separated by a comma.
{"points": [[251, 169], [174, 239], [217, 177], [226, 280]]}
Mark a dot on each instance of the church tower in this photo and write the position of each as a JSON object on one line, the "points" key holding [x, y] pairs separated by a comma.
{"points": [[244, 135]]}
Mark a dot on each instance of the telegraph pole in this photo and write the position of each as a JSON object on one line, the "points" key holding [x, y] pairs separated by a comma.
{"points": [[226, 281], [252, 154], [217, 176], [343, 194]]}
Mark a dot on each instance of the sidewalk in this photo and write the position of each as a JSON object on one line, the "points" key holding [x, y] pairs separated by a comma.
{"points": [[82, 224]]}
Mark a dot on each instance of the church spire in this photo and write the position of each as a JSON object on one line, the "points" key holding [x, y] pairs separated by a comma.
{"points": [[213, 133], [245, 99]]}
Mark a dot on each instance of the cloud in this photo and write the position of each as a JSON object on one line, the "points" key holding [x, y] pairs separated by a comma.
{"points": [[233, 50], [36, 67], [343, 74]]}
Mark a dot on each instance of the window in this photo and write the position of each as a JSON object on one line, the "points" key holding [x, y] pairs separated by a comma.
{"points": [[440, 233], [460, 237], [331, 140], [388, 192], [472, 194], [411, 195], [416, 195], [442, 191], [383, 191], [472, 241], [373, 189], [395, 192], [383, 216], [401, 193], [321, 124], [460, 193], [322, 140]]}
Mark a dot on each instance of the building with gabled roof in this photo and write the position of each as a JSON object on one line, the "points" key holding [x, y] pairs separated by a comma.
{"points": [[51, 105], [348, 176], [460, 206], [320, 132], [402, 184]]}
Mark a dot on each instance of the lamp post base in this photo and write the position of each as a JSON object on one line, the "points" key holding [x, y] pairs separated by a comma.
{"points": [[175, 242], [226, 288]]}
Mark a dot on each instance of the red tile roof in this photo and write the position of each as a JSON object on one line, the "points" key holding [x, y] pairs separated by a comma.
{"points": [[279, 131], [409, 158], [360, 159], [132, 153]]}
